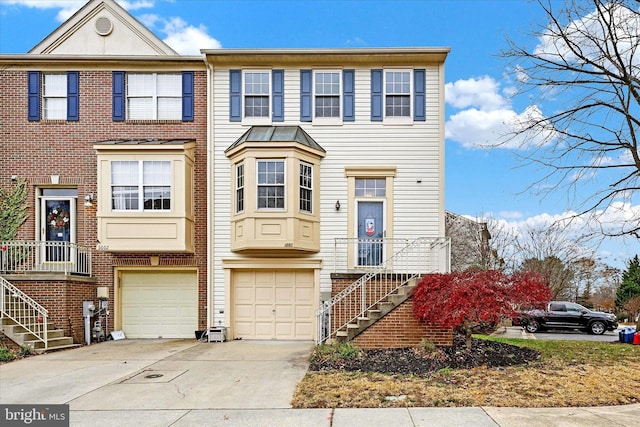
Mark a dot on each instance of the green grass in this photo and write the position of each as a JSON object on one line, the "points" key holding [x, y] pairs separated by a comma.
{"points": [[576, 351]]}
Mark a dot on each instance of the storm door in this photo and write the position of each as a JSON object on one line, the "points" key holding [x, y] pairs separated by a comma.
{"points": [[370, 233], [57, 224]]}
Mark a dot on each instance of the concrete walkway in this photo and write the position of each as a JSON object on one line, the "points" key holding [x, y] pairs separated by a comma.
{"points": [[240, 383]]}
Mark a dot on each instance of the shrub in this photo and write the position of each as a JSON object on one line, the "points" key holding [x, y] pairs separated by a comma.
{"points": [[622, 316], [6, 354], [25, 351], [335, 351]]}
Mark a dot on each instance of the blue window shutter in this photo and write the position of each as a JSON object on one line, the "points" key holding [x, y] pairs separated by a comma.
{"points": [[277, 77], [187, 96], [419, 100], [305, 96], [376, 95], [118, 96], [235, 95], [33, 82], [73, 96], [348, 95]]}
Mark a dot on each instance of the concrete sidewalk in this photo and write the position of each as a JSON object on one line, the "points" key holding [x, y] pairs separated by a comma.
{"points": [[625, 416], [239, 383]]}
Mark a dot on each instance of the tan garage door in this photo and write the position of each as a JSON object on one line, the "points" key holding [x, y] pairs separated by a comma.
{"points": [[272, 304], [160, 304]]}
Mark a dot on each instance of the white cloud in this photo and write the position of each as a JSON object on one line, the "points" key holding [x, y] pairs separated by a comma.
{"points": [[586, 34], [488, 120], [187, 39], [479, 92]]}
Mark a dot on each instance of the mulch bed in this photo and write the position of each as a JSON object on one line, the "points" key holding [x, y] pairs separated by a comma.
{"points": [[421, 361]]}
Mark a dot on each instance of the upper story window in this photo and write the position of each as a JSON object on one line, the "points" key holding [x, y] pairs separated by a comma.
{"points": [[53, 96], [398, 96], [239, 187], [153, 96], [327, 96], [306, 187], [271, 188], [327, 93], [141, 185], [256, 96], [397, 93]]}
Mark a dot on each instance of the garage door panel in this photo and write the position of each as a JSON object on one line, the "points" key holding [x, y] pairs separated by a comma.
{"points": [[264, 312], [279, 304], [264, 294]]}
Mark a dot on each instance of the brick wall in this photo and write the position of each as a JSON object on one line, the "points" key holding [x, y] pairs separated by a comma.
{"points": [[36, 150], [400, 328]]}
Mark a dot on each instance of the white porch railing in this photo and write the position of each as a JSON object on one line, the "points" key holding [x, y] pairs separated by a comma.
{"points": [[19, 307], [362, 254], [412, 260], [33, 256]]}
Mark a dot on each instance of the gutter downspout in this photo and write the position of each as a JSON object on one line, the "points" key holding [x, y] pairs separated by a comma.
{"points": [[210, 212]]}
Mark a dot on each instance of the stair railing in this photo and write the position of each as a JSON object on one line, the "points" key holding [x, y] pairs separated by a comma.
{"points": [[419, 257], [23, 310]]}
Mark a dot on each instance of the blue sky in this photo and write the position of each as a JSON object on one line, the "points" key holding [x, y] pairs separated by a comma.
{"points": [[479, 182]]}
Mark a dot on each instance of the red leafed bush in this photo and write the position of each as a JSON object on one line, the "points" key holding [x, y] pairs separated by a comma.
{"points": [[468, 300]]}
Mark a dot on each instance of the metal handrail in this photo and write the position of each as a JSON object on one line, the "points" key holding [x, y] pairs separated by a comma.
{"points": [[23, 310], [418, 257], [29, 256]]}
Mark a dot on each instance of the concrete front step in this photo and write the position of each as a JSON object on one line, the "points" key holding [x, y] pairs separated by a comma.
{"points": [[52, 343], [18, 334], [24, 337]]}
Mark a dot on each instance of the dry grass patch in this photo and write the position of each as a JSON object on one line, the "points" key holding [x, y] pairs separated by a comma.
{"points": [[568, 374]]}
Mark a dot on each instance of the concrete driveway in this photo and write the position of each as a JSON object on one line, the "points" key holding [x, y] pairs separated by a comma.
{"points": [[160, 374]]}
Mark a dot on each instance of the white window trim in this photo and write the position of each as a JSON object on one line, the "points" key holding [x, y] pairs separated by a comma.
{"points": [[395, 119], [46, 113], [249, 120], [141, 186], [154, 97], [327, 120], [258, 208], [310, 188], [243, 187]]}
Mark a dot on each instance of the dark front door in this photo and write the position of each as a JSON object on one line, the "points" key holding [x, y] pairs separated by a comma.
{"points": [[57, 229]]}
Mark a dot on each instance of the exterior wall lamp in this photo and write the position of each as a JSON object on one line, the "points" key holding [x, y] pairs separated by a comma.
{"points": [[337, 205], [88, 200]]}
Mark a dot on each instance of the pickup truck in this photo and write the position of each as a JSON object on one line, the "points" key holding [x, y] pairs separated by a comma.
{"points": [[568, 315]]}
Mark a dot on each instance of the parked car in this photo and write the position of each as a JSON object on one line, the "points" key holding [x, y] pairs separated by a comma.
{"points": [[568, 315]]}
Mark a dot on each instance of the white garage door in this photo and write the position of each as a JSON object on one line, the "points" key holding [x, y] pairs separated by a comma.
{"points": [[273, 304], [159, 304]]}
